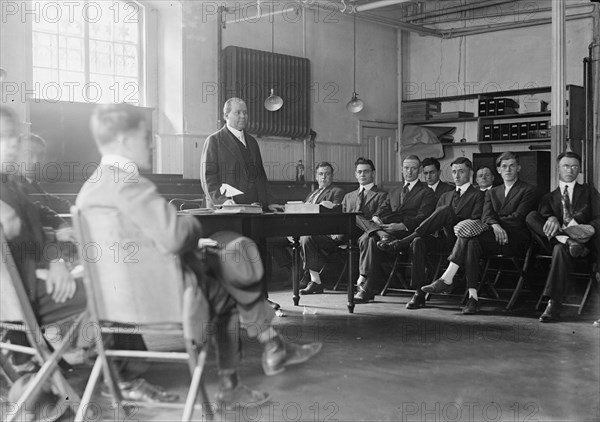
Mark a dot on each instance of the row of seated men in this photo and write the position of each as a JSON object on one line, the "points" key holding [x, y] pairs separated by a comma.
{"points": [[227, 298], [463, 221]]}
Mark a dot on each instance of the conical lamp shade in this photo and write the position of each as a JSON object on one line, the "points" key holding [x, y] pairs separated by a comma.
{"points": [[355, 104], [273, 102], [2, 74]]}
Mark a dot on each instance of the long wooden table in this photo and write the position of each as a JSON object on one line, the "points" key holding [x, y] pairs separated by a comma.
{"points": [[259, 227]]}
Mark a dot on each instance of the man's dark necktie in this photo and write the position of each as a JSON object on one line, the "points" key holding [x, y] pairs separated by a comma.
{"points": [[455, 198], [566, 205], [360, 202], [404, 193]]}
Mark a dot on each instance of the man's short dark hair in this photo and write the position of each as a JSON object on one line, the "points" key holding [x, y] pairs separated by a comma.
{"points": [[362, 160], [507, 155], [463, 160], [430, 161], [484, 167], [568, 154], [412, 157], [324, 164], [228, 105], [110, 120]]}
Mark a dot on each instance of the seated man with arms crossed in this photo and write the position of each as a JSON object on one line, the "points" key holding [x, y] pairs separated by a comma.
{"points": [[410, 205], [431, 176], [313, 246], [465, 202], [504, 210], [120, 132], [570, 207]]}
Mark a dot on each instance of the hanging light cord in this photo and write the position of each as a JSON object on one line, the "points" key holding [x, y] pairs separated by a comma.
{"points": [[354, 52]]}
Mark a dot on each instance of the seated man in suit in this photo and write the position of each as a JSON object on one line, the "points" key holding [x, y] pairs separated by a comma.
{"points": [[571, 206], [409, 206], [56, 297], [312, 246], [466, 202], [484, 178], [504, 211], [120, 131], [431, 176], [372, 204]]}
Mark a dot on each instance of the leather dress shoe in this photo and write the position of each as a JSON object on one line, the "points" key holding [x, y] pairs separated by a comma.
{"points": [[552, 312], [312, 288], [141, 390], [363, 296], [240, 397], [274, 305], [279, 353], [438, 287], [472, 306], [576, 249], [416, 302]]}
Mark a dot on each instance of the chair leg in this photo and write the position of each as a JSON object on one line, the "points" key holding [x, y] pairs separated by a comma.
{"points": [[585, 295], [89, 390], [341, 277], [7, 369], [391, 276], [522, 276], [196, 386]]}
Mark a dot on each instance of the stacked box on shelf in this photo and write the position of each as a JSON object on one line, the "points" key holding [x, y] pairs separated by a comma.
{"points": [[420, 110], [497, 106], [516, 130]]}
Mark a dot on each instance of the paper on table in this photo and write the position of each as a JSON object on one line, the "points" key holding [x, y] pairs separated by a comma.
{"points": [[327, 204], [229, 191]]}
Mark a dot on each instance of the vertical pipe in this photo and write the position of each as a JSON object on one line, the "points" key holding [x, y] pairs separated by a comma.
{"points": [[219, 64], [558, 118]]}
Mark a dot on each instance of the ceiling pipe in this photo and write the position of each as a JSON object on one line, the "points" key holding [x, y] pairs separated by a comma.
{"points": [[261, 15], [455, 9], [379, 4]]}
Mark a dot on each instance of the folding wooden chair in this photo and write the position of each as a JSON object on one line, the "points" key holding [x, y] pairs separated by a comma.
{"points": [[518, 266], [16, 314], [129, 281], [401, 261], [587, 276]]}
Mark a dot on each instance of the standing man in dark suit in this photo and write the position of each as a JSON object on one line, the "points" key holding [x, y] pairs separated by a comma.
{"points": [[431, 176], [372, 204], [231, 156], [504, 211], [466, 202], [410, 205], [570, 205], [312, 246]]}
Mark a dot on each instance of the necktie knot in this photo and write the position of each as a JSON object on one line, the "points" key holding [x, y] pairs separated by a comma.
{"points": [[566, 191]]}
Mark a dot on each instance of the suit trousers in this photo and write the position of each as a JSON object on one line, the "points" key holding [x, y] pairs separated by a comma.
{"points": [[441, 217], [420, 249], [312, 248], [561, 264], [468, 251]]}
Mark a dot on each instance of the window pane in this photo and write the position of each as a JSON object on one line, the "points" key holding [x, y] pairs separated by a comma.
{"points": [[45, 48], [127, 89], [72, 85], [101, 57], [43, 81], [102, 28], [71, 53], [126, 62], [108, 90]]}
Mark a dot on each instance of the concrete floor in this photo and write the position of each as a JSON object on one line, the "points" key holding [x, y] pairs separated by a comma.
{"points": [[385, 363]]}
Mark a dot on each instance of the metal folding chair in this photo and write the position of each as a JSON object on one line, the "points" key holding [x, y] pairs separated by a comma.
{"points": [[129, 281], [518, 266], [587, 276], [16, 314]]}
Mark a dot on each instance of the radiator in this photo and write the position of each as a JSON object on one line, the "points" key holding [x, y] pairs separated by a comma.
{"points": [[250, 75]]}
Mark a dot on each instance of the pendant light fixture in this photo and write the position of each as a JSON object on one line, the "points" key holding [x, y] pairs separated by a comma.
{"points": [[355, 104], [2, 74], [273, 102]]}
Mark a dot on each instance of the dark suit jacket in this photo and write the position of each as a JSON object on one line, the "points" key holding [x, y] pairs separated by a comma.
{"points": [[510, 212], [585, 206], [50, 204], [417, 206], [441, 189], [331, 193], [376, 204], [224, 160], [468, 207]]}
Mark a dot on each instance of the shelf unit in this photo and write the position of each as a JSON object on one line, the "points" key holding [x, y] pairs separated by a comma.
{"points": [[574, 111]]}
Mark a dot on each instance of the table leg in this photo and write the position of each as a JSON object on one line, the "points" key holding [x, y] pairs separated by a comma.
{"points": [[351, 276], [295, 260], [268, 264]]}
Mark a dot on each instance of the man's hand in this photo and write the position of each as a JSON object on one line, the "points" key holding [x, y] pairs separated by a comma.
{"points": [[230, 201], [377, 220], [500, 234], [60, 284], [337, 237], [394, 227], [276, 207], [207, 242], [66, 234], [551, 227]]}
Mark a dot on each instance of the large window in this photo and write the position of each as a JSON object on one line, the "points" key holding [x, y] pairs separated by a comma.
{"points": [[88, 51]]}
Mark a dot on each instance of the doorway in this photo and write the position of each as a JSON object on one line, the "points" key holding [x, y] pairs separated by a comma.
{"points": [[380, 140]]}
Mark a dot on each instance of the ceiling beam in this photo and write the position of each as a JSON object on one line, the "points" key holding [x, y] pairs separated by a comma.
{"points": [[456, 9]]}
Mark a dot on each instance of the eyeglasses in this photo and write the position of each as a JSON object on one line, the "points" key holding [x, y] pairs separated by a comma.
{"points": [[568, 167]]}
